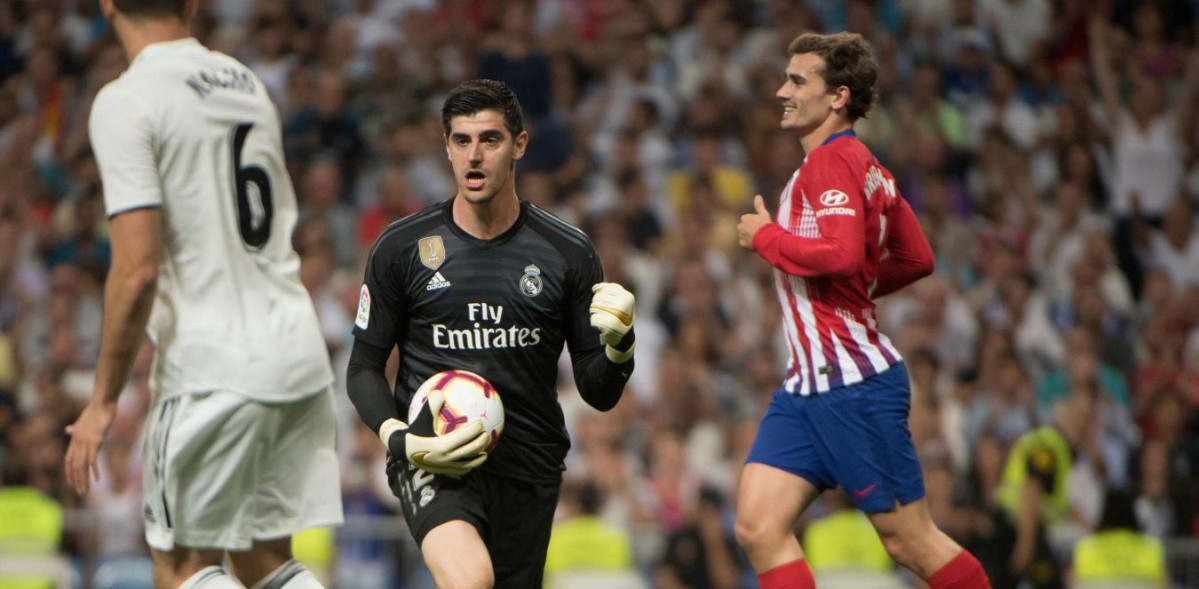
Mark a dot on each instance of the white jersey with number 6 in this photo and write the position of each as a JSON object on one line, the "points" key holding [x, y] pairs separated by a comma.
{"points": [[192, 131]]}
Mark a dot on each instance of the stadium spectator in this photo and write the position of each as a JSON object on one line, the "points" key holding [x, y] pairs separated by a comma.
{"points": [[1147, 140], [1118, 553], [844, 550], [700, 554], [584, 549], [325, 125]]}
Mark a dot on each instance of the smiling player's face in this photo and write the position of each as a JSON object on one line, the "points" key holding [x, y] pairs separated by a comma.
{"points": [[804, 94], [483, 152]]}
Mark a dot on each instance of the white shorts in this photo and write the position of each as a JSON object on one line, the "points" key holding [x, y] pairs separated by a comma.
{"points": [[221, 470]]}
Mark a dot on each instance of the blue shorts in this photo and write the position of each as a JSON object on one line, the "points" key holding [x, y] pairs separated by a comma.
{"points": [[854, 436]]}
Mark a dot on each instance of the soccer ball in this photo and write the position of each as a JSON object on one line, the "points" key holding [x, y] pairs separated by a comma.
{"points": [[468, 397]]}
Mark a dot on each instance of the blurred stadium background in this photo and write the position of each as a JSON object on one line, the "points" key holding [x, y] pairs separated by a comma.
{"points": [[1067, 256]]}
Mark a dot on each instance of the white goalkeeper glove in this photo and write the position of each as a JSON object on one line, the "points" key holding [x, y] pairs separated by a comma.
{"points": [[454, 454], [612, 317]]}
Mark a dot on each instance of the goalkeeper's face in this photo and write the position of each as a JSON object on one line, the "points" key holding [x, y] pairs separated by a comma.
{"points": [[483, 154]]}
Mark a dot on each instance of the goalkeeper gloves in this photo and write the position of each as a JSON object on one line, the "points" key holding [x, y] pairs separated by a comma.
{"points": [[612, 317], [454, 454]]}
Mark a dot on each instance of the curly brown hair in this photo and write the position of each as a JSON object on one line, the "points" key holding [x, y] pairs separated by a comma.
{"points": [[849, 62]]}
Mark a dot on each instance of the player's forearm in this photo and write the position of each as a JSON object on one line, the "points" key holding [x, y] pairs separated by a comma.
{"points": [[806, 256], [128, 299], [895, 274], [366, 383], [600, 381]]}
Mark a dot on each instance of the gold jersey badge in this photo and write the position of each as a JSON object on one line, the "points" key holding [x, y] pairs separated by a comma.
{"points": [[432, 251]]}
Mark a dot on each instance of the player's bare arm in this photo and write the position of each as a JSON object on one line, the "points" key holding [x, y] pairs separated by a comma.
{"points": [[128, 298]]}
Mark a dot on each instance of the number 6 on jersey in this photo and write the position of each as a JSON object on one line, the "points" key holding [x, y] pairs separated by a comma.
{"points": [[254, 208]]}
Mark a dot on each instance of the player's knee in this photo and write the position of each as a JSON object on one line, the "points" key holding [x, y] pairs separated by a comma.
{"points": [[899, 548], [754, 532], [908, 546]]}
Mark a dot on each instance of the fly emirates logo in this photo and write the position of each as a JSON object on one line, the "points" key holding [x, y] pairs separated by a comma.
{"points": [[486, 332]]}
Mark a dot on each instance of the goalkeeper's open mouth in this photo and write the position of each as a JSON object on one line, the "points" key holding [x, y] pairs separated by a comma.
{"points": [[475, 180]]}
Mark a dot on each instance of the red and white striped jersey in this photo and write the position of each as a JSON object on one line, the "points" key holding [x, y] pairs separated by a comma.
{"points": [[843, 237]]}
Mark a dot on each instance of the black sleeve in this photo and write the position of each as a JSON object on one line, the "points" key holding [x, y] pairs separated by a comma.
{"points": [[600, 381], [382, 301], [366, 381]]}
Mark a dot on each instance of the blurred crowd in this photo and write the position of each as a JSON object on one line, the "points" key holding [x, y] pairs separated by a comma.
{"points": [[1048, 147]]}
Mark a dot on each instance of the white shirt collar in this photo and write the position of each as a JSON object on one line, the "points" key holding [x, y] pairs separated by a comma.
{"points": [[166, 47]]}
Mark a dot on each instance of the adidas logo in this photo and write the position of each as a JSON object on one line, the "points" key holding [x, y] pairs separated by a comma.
{"points": [[437, 282]]}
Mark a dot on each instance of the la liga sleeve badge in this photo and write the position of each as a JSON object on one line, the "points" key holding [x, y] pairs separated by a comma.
{"points": [[364, 308]]}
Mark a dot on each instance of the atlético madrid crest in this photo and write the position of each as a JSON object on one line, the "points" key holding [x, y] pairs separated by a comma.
{"points": [[432, 251]]}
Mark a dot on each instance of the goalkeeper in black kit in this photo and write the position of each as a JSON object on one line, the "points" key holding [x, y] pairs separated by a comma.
{"points": [[487, 283]]}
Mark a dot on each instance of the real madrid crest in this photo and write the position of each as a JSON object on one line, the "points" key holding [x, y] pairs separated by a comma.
{"points": [[530, 283]]}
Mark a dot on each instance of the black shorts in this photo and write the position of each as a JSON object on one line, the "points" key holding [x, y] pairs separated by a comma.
{"points": [[513, 517]]}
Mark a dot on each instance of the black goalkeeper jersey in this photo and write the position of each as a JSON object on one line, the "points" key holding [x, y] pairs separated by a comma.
{"points": [[502, 308]]}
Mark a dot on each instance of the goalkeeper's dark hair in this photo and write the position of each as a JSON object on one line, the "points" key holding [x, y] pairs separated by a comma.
{"points": [[152, 8], [474, 96], [849, 62]]}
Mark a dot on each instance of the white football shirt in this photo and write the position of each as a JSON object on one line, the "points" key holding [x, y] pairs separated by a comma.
{"points": [[193, 132]]}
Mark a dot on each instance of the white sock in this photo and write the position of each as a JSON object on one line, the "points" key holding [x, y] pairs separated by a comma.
{"points": [[291, 575], [213, 577]]}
